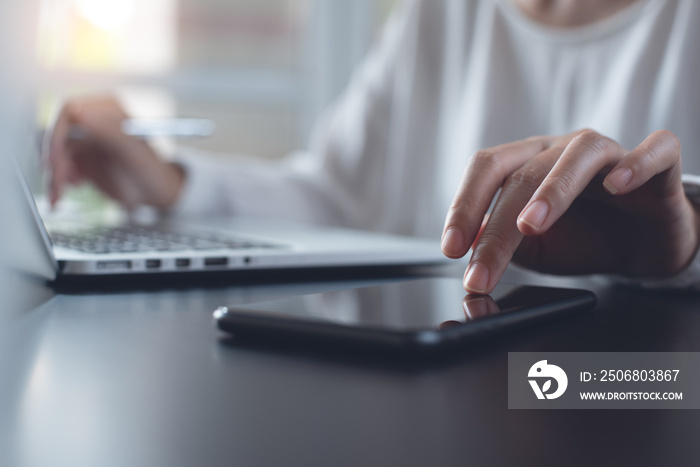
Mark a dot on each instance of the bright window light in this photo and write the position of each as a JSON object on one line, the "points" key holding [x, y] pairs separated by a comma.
{"points": [[113, 36], [109, 15]]}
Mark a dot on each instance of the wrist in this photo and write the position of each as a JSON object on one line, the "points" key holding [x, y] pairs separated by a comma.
{"points": [[178, 181], [170, 187]]}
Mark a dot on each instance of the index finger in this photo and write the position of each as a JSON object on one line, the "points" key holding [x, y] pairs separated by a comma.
{"points": [[485, 174]]}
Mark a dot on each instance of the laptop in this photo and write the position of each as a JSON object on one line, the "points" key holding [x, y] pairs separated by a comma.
{"points": [[70, 248]]}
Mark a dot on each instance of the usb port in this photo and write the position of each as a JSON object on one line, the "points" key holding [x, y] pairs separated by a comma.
{"points": [[153, 264], [212, 262], [113, 265], [183, 263]]}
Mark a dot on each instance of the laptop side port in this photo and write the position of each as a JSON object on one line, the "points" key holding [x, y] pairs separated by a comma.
{"points": [[215, 262], [153, 264], [115, 265], [183, 263]]}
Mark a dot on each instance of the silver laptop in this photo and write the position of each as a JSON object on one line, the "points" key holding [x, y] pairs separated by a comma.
{"points": [[129, 247]]}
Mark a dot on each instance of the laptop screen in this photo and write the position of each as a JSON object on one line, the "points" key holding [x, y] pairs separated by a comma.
{"points": [[26, 245]]}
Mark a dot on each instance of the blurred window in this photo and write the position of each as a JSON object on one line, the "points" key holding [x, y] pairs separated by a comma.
{"points": [[262, 69]]}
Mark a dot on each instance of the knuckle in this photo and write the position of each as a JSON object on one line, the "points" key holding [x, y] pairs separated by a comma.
{"points": [[71, 107], [585, 130], [661, 148], [592, 140], [486, 160], [526, 177], [670, 139], [75, 107], [495, 239], [461, 206], [544, 141], [647, 159], [564, 183]]}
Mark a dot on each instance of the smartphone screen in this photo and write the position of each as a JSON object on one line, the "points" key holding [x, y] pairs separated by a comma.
{"points": [[424, 312]]}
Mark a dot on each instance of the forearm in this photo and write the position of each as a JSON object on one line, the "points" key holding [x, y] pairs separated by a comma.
{"points": [[288, 189]]}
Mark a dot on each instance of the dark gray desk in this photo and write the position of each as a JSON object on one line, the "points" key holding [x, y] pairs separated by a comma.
{"points": [[140, 378]]}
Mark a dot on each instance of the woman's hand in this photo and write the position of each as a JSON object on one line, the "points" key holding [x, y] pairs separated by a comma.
{"points": [[576, 204], [124, 167]]}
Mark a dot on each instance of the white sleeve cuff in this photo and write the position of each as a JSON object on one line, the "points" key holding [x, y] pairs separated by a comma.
{"points": [[290, 189], [200, 194]]}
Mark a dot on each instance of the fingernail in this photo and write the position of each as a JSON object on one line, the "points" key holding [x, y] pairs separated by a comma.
{"points": [[453, 242], [618, 180], [535, 214], [477, 278]]}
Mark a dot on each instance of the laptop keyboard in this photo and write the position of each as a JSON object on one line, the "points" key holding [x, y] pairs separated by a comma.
{"points": [[131, 239]]}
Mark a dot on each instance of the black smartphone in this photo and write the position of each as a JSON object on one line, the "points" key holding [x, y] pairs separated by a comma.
{"points": [[423, 315]]}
